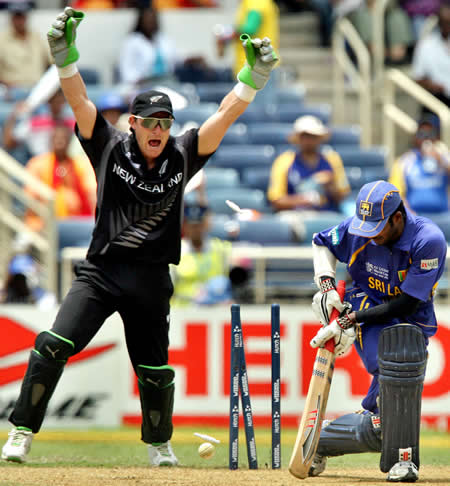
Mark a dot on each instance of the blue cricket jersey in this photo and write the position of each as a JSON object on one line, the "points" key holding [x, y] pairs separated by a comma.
{"points": [[412, 265]]}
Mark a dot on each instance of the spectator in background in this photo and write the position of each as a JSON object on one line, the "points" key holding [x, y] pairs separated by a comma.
{"points": [[111, 106], [72, 179], [398, 30], [308, 178], [146, 52], [325, 12], [202, 276], [22, 282], [33, 132], [24, 56], [257, 18], [422, 174], [431, 60], [419, 11]]}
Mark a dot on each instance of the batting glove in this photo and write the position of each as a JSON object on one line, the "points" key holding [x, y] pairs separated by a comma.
{"points": [[326, 300], [261, 60], [61, 37], [343, 336]]}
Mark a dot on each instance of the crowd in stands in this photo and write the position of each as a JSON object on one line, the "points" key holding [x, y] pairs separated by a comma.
{"points": [[283, 162]]}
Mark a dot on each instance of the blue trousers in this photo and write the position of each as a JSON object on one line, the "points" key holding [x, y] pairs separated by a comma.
{"points": [[366, 344]]}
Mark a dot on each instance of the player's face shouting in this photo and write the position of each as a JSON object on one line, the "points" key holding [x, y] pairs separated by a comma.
{"points": [[151, 141]]}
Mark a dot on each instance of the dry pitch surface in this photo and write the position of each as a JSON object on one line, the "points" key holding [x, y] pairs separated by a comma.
{"points": [[60, 459], [74, 476]]}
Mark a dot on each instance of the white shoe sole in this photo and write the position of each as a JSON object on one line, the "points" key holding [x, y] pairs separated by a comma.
{"points": [[12, 458]]}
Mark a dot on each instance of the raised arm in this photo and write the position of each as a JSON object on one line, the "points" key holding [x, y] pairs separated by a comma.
{"points": [[61, 38], [261, 60]]}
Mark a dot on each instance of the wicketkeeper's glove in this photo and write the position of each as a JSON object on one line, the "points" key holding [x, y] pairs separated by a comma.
{"points": [[61, 37], [261, 60]]}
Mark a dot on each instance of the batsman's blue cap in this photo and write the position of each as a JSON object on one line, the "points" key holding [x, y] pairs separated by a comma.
{"points": [[376, 201]]}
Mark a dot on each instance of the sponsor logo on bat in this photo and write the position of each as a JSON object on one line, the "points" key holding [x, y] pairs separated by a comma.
{"points": [[312, 430]]}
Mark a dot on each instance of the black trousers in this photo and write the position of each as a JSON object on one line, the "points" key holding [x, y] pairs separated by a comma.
{"points": [[139, 292]]}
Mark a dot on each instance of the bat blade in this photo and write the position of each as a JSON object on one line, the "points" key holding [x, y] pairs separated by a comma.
{"points": [[315, 406]]}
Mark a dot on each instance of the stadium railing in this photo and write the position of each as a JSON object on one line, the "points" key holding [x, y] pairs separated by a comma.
{"points": [[346, 74], [13, 178], [379, 42], [394, 117], [292, 282]]}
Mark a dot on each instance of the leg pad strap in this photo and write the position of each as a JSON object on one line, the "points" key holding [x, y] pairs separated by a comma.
{"points": [[156, 390]]}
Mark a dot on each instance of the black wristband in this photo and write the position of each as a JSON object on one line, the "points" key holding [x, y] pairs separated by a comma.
{"points": [[327, 284]]}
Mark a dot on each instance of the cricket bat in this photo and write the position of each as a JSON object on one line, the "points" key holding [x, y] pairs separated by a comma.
{"points": [[43, 90], [316, 403]]}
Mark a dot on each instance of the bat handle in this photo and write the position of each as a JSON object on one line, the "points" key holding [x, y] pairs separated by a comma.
{"points": [[329, 345]]}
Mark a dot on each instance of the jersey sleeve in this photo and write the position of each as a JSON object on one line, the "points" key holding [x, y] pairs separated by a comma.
{"points": [[427, 266], [278, 184], [337, 239], [189, 141], [95, 146], [337, 166], [397, 177]]}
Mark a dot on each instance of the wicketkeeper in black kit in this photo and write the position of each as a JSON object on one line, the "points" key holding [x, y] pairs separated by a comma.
{"points": [[141, 178]]}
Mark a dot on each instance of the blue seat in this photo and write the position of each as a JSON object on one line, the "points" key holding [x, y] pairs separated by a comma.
{"points": [[256, 177], [240, 157], [217, 177], [269, 230], [256, 113], [222, 226], [345, 136], [74, 231], [358, 157], [195, 113], [358, 176], [89, 75], [6, 108], [271, 133], [245, 198], [290, 95], [95, 91], [284, 147], [18, 94], [289, 112], [213, 92], [236, 134], [317, 223]]}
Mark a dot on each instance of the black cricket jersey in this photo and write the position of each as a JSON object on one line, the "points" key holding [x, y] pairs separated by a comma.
{"points": [[139, 210]]}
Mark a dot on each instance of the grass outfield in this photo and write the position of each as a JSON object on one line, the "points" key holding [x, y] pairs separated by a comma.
{"points": [[122, 448], [103, 457]]}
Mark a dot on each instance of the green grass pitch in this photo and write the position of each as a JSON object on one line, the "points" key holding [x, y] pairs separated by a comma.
{"points": [[123, 448]]}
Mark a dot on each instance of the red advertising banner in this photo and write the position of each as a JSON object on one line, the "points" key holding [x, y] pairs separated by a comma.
{"points": [[98, 386]]}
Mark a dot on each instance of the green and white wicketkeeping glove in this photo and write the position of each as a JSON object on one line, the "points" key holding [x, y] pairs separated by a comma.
{"points": [[61, 37], [261, 60]]}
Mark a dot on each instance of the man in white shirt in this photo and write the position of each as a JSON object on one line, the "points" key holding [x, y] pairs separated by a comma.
{"points": [[431, 62]]}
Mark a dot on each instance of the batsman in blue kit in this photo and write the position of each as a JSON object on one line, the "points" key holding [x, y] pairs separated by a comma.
{"points": [[395, 260]]}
